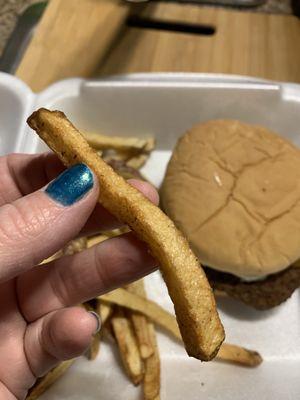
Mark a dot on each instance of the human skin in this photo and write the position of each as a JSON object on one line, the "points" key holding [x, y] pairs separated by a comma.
{"points": [[39, 322]]}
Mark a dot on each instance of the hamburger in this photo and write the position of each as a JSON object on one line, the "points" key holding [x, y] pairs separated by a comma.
{"points": [[233, 189]]}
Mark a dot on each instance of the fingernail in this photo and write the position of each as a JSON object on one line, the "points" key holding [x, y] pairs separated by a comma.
{"points": [[71, 185], [95, 315]]}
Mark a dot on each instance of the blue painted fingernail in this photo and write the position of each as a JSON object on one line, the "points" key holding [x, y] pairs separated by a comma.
{"points": [[71, 185]]}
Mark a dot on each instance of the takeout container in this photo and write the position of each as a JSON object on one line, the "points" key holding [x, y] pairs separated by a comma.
{"points": [[165, 105]]}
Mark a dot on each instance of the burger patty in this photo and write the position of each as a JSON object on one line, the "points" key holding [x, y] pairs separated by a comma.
{"points": [[261, 295]]}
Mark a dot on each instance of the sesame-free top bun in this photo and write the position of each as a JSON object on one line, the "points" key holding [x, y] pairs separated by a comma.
{"points": [[234, 191]]}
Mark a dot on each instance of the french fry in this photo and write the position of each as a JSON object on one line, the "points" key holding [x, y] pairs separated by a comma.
{"points": [[151, 383], [188, 287], [104, 310], [75, 246], [128, 347], [94, 347], [138, 161], [146, 338], [93, 240], [147, 307], [126, 168], [123, 144], [42, 384], [167, 321], [239, 355], [140, 325], [54, 257], [140, 322]]}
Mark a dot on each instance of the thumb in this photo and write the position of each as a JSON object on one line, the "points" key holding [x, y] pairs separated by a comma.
{"points": [[34, 227]]}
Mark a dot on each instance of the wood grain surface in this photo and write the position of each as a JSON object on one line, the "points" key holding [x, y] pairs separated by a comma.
{"points": [[91, 38], [244, 43], [70, 40]]}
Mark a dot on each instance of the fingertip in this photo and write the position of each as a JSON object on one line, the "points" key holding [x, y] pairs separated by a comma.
{"points": [[72, 330], [59, 335], [147, 189]]}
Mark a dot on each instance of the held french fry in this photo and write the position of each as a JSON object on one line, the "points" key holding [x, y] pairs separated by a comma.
{"points": [[194, 303], [128, 347], [228, 352]]}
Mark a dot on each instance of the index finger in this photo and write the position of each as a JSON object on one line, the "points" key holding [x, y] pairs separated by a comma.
{"points": [[22, 174], [74, 279], [101, 219]]}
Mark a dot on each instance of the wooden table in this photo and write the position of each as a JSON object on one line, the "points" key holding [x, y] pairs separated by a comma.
{"points": [[92, 37]]}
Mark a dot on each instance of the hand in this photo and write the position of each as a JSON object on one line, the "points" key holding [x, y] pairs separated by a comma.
{"points": [[39, 323]]}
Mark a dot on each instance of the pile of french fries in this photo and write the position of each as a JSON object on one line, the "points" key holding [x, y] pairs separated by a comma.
{"points": [[126, 313], [133, 151]]}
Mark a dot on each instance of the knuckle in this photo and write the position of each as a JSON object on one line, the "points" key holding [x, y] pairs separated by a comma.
{"points": [[59, 285], [91, 272], [87, 275], [21, 230], [113, 262], [101, 266], [46, 339]]}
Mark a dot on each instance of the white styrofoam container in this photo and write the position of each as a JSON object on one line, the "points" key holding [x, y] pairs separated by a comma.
{"points": [[165, 105]]}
